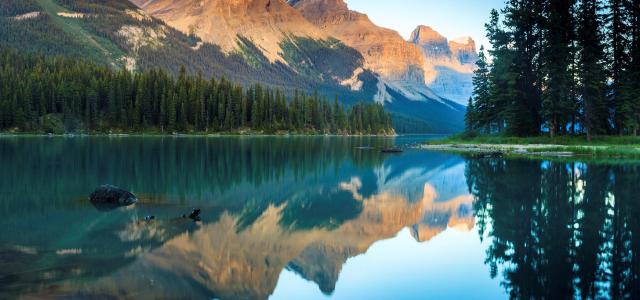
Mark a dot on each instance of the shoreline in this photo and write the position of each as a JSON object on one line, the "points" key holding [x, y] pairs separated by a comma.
{"points": [[178, 135], [536, 150]]}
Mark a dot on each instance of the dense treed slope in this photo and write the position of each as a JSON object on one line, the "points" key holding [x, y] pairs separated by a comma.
{"points": [[58, 95], [118, 34]]}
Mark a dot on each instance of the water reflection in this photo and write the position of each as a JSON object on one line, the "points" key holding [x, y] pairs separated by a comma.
{"points": [[352, 223], [304, 205], [560, 230]]}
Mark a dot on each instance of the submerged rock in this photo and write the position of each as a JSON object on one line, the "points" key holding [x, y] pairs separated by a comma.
{"points": [[392, 150], [194, 215], [108, 197]]}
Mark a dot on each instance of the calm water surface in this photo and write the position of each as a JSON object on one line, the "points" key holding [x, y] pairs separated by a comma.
{"points": [[311, 218]]}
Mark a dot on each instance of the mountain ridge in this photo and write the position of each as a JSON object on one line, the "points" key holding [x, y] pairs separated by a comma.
{"points": [[119, 34]]}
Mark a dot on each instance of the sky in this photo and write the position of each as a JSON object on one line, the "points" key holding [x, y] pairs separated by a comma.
{"points": [[452, 18]]}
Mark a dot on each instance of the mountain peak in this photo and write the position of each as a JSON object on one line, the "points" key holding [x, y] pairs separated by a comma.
{"points": [[265, 22], [464, 49], [329, 4], [425, 34], [465, 40]]}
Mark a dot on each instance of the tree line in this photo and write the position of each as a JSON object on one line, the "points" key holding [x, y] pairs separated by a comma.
{"points": [[57, 94], [559, 67]]}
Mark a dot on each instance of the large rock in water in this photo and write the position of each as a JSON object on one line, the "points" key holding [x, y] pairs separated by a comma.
{"points": [[108, 197]]}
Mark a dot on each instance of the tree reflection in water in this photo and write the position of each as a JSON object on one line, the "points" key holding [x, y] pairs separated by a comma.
{"points": [[559, 230]]}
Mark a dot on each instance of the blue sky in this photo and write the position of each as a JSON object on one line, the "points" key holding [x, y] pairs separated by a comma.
{"points": [[452, 18]]}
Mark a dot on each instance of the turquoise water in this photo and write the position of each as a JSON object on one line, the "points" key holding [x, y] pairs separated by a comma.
{"points": [[311, 218]]}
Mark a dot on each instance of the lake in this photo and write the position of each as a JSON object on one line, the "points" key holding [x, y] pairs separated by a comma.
{"points": [[311, 218]]}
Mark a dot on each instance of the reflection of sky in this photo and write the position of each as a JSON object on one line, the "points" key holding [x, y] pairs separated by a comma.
{"points": [[450, 266], [315, 201], [407, 174]]}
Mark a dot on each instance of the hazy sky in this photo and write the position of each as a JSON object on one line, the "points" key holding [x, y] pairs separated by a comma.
{"points": [[452, 18]]}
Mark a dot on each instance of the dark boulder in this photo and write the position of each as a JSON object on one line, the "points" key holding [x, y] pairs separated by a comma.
{"points": [[108, 197], [194, 215]]}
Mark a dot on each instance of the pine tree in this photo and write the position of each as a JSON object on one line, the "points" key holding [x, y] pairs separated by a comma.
{"points": [[502, 76], [557, 105], [482, 110], [617, 39], [631, 82], [470, 117], [591, 75], [524, 19]]}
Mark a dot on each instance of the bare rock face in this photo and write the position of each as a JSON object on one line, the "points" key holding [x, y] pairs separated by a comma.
{"points": [[385, 51], [265, 22], [449, 65], [432, 43], [464, 50]]}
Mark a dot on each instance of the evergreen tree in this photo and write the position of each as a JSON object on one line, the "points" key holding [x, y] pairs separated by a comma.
{"points": [[557, 105], [592, 76], [93, 98], [630, 107], [617, 39], [483, 113], [524, 19], [502, 77], [470, 117]]}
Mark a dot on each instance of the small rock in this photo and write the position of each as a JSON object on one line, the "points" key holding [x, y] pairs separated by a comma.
{"points": [[194, 215], [108, 197]]}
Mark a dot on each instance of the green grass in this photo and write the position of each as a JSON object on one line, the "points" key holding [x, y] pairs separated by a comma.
{"points": [[601, 147], [100, 49], [541, 140]]}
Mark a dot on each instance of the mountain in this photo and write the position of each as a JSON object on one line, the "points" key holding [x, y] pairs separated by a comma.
{"points": [[399, 64], [449, 65], [246, 41], [265, 23], [270, 24]]}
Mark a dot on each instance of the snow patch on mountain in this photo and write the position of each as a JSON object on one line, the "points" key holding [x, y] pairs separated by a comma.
{"points": [[72, 15], [27, 16], [138, 14], [354, 83], [138, 37]]}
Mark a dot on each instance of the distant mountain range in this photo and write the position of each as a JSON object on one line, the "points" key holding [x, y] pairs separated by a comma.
{"points": [[311, 45]]}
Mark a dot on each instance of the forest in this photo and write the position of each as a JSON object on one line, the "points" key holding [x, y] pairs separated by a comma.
{"points": [[59, 95], [559, 68]]}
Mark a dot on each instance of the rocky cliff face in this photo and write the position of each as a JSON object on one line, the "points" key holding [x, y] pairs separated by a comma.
{"points": [[265, 22], [399, 63], [426, 66], [449, 65], [432, 43], [464, 50], [384, 50]]}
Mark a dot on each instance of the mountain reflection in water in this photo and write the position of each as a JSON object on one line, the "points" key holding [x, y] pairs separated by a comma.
{"points": [[306, 206]]}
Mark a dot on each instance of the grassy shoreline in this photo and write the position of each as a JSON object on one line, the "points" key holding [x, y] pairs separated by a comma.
{"points": [[540, 147]]}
